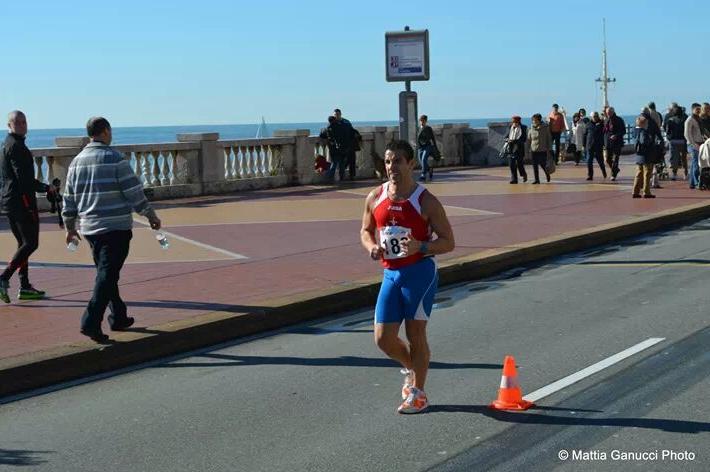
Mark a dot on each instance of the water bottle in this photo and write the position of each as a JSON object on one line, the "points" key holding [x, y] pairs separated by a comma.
{"points": [[73, 245], [162, 239]]}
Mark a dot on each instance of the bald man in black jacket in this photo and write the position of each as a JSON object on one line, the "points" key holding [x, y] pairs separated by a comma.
{"points": [[19, 203]]}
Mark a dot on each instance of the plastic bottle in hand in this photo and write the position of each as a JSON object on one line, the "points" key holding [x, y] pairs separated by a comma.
{"points": [[73, 244], [162, 239]]}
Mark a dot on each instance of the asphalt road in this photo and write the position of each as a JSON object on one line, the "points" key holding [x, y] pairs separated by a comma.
{"points": [[320, 397]]}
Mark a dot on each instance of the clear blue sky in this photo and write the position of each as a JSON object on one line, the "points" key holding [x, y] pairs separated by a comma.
{"points": [[158, 62]]}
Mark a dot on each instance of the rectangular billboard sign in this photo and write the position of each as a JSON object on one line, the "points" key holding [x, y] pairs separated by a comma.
{"points": [[407, 55]]}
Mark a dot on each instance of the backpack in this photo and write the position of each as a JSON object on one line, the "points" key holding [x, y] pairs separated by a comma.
{"points": [[357, 140]]}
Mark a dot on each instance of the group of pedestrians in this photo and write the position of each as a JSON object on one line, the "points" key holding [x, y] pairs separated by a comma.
{"points": [[100, 195], [343, 141], [598, 140]]}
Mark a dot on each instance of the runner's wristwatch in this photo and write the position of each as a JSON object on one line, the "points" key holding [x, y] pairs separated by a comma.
{"points": [[424, 248]]}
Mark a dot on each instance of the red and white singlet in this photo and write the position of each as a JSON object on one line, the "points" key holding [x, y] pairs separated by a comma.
{"points": [[397, 222]]}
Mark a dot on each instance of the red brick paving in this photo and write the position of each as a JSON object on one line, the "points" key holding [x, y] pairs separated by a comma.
{"points": [[294, 258]]}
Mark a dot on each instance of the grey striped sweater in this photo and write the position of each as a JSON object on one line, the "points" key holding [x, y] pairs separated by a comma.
{"points": [[102, 191]]}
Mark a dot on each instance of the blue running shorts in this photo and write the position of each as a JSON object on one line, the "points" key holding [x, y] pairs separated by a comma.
{"points": [[407, 293]]}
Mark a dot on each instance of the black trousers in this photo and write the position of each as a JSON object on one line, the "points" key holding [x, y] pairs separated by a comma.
{"points": [[110, 251], [539, 160], [337, 160], [25, 228], [351, 157], [595, 155], [556, 146], [517, 166]]}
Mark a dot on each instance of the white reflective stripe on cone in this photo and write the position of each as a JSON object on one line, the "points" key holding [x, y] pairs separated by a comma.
{"points": [[509, 382]]}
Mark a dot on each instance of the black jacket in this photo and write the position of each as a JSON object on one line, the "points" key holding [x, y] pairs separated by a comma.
{"points": [[614, 131], [674, 127], [594, 136], [426, 137], [343, 136], [17, 177], [517, 147]]}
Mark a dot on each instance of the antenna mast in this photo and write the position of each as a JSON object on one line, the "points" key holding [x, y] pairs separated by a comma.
{"points": [[605, 80]]}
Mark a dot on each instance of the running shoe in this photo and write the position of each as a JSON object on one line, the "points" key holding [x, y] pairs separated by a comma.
{"points": [[408, 384], [416, 402], [4, 285], [30, 293]]}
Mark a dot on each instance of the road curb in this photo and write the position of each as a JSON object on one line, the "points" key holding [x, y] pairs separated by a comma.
{"points": [[68, 362]]}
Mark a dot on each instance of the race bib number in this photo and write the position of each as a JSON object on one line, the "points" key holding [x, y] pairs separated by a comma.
{"points": [[391, 239]]}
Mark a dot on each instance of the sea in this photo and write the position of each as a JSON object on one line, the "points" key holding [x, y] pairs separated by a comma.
{"points": [[44, 138]]}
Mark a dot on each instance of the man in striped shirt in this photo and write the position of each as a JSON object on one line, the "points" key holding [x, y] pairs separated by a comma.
{"points": [[102, 191]]}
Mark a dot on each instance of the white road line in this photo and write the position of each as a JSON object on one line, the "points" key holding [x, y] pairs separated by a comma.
{"points": [[265, 222], [592, 369], [233, 255], [474, 210]]}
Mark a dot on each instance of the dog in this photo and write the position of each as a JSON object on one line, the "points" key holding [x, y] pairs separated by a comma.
{"points": [[379, 164], [321, 164]]}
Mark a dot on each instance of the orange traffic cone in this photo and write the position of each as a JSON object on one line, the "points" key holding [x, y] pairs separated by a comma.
{"points": [[510, 396]]}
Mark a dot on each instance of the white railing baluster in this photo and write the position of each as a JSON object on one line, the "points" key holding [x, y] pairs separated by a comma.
{"points": [[155, 168], [165, 169], [39, 160], [50, 168]]}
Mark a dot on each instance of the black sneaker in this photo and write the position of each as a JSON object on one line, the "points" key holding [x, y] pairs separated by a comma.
{"points": [[30, 293], [124, 324], [97, 336]]}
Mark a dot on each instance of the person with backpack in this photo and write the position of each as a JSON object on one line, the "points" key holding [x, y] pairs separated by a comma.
{"points": [[645, 157]]}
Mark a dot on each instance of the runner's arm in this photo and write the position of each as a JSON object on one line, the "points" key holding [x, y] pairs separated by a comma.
{"points": [[439, 222], [367, 232]]}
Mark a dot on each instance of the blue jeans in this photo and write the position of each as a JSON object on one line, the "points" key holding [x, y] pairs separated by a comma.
{"points": [[337, 162], [423, 154], [694, 176]]}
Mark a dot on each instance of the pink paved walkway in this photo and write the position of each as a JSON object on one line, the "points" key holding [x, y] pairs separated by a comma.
{"points": [[239, 252]]}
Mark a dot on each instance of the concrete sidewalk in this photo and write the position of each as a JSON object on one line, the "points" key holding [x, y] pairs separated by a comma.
{"points": [[250, 262]]}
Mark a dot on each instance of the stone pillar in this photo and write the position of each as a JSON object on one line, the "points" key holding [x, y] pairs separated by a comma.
{"points": [[299, 169], [457, 133], [475, 148], [496, 137], [208, 168], [373, 149]]}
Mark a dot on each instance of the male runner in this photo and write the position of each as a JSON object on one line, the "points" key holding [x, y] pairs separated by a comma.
{"points": [[404, 215]]}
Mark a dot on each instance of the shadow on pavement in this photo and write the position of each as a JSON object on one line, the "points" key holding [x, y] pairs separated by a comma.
{"points": [[343, 361], [21, 457], [186, 305], [647, 261], [672, 426]]}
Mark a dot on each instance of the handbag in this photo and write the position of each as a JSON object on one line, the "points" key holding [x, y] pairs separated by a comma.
{"points": [[550, 164], [436, 154]]}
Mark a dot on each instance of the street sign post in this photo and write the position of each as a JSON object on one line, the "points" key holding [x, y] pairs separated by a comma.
{"points": [[406, 60]]}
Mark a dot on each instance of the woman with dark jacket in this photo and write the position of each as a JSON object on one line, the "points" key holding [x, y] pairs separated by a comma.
{"points": [[645, 156], [515, 139], [594, 144]]}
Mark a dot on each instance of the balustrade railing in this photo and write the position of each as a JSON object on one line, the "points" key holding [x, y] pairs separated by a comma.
{"points": [[159, 165], [200, 163], [253, 158]]}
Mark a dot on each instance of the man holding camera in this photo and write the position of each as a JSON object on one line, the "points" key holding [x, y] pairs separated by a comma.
{"points": [[19, 204]]}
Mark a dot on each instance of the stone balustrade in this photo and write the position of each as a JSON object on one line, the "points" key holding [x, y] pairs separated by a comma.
{"points": [[202, 164]]}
